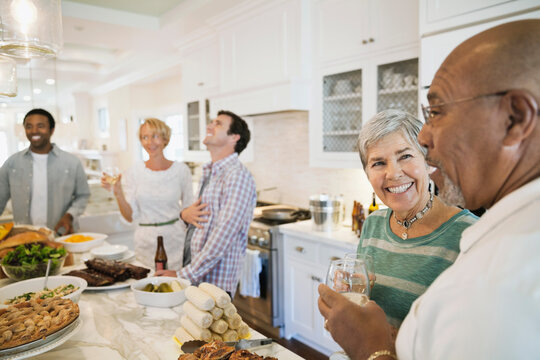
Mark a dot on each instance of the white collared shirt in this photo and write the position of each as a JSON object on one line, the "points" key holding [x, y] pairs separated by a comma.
{"points": [[38, 202], [487, 304]]}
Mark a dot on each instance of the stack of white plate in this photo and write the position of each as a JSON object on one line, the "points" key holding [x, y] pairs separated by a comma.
{"points": [[110, 252]]}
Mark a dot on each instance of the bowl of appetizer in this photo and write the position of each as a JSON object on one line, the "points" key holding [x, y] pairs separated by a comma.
{"points": [[68, 287], [81, 242], [30, 261], [160, 291]]}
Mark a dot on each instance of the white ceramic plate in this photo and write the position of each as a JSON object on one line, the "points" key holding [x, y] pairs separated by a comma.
{"points": [[82, 246], [43, 345], [109, 252]]}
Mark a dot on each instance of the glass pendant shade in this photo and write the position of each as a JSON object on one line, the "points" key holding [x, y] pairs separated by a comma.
{"points": [[30, 28], [8, 76]]}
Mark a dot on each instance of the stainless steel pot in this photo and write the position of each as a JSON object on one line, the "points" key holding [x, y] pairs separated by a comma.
{"points": [[326, 211]]}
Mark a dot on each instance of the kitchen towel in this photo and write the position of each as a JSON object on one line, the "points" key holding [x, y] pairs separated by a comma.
{"points": [[249, 278]]}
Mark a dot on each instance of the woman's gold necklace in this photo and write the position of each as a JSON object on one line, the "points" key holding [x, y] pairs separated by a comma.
{"points": [[407, 223]]}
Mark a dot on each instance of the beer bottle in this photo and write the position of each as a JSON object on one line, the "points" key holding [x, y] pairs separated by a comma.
{"points": [[354, 223], [161, 255], [373, 206], [361, 218]]}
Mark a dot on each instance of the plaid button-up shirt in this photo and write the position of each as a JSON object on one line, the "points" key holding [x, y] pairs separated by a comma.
{"points": [[218, 249]]}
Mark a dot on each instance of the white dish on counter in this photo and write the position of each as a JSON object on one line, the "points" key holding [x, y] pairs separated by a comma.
{"points": [[168, 299], [82, 246], [109, 252], [36, 284]]}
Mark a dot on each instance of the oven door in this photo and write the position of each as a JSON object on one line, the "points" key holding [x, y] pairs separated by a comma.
{"points": [[259, 310]]}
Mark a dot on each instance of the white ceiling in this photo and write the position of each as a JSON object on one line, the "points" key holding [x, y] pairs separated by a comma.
{"points": [[112, 43]]}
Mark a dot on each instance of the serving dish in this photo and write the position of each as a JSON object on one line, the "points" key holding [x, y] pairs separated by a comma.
{"points": [[42, 345], [78, 247], [34, 285], [109, 252], [29, 271], [168, 299]]}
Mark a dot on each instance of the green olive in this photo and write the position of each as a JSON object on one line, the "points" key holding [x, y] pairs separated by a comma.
{"points": [[148, 287]]}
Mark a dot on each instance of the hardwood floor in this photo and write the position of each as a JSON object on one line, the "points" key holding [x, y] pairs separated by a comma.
{"points": [[295, 346]]}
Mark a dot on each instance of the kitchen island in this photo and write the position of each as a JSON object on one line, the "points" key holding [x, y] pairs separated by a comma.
{"points": [[113, 327]]}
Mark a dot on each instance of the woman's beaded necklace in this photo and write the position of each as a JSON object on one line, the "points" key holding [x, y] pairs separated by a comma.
{"points": [[407, 223]]}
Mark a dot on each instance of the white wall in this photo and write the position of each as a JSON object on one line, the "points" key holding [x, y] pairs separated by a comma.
{"points": [[282, 159]]}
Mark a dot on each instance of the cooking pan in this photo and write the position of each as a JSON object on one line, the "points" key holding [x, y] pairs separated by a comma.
{"points": [[283, 214]]}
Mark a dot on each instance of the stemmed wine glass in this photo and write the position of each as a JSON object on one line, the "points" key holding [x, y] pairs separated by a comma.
{"points": [[368, 259], [350, 277]]}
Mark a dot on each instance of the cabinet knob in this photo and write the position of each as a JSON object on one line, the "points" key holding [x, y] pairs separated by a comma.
{"points": [[371, 39], [333, 258], [364, 41], [300, 249], [314, 278]]}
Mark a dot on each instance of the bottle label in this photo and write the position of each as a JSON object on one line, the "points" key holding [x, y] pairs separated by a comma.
{"points": [[160, 266]]}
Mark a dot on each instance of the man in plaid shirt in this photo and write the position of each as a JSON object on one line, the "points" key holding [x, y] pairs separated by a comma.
{"points": [[220, 218]]}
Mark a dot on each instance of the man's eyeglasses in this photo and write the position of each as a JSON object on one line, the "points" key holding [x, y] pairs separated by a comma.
{"points": [[430, 112]]}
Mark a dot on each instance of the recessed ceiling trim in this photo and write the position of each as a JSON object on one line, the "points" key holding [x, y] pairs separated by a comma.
{"points": [[110, 16]]}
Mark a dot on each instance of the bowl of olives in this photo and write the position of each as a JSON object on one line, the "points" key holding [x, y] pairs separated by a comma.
{"points": [[160, 291]]}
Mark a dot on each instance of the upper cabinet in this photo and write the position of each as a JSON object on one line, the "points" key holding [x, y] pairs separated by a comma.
{"points": [[349, 28], [366, 55], [264, 57], [445, 15]]}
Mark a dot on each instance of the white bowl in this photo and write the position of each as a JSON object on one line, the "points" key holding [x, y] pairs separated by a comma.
{"points": [[82, 246], [33, 285], [159, 299], [109, 252]]}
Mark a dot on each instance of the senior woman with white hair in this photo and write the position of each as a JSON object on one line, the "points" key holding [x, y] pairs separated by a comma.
{"points": [[417, 237]]}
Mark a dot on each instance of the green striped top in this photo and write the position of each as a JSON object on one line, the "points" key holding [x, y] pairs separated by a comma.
{"points": [[405, 268]]}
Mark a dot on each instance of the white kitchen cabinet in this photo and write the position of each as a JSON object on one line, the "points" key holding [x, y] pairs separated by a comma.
{"points": [[434, 49], [444, 15], [264, 57], [345, 96], [197, 116], [306, 261], [351, 28]]}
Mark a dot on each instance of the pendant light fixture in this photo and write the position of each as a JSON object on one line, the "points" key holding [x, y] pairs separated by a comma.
{"points": [[30, 28], [8, 76]]}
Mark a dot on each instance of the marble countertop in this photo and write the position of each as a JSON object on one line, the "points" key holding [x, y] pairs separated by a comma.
{"points": [[115, 327], [343, 236]]}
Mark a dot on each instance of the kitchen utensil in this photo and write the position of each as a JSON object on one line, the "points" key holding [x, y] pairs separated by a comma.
{"points": [[47, 274], [326, 211], [282, 214], [190, 346]]}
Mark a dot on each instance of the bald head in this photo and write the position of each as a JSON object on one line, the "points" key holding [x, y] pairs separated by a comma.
{"points": [[501, 58]]}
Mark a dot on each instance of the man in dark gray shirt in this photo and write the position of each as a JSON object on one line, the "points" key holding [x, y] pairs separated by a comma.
{"points": [[47, 185]]}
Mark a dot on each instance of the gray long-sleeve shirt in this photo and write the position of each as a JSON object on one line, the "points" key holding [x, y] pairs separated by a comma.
{"points": [[67, 187]]}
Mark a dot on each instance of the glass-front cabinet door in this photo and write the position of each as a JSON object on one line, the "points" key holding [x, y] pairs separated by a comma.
{"points": [[342, 111], [193, 126], [397, 86]]}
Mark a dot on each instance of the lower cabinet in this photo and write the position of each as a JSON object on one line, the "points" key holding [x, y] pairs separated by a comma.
{"points": [[306, 262]]}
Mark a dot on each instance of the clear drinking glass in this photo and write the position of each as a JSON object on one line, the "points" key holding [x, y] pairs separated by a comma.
{"points": [[350, 278], [111, 174], [368, 259]]}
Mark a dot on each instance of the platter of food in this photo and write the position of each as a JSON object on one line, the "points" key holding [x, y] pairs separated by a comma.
{"points": [[101, 274], [31, 327]]}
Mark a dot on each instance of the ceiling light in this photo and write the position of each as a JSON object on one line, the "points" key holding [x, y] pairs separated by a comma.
{"points": [[37, 91], [8, 76], [49, 81], [31, 28], [4, 105], [27, 98]]}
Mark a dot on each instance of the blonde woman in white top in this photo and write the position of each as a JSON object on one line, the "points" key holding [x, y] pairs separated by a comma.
{"points": [[152, 194]]}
